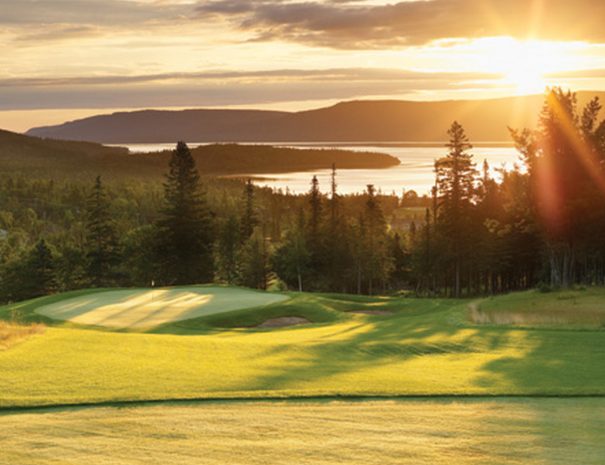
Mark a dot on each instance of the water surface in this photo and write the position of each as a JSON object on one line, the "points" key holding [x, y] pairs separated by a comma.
{"points": [[415, 171]]}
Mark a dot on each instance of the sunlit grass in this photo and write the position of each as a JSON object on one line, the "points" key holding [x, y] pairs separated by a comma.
{"points": [[410, 432], [425, 347]]}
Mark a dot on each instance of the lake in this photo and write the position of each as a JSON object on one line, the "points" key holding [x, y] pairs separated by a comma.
{"points": [[415, 171]]}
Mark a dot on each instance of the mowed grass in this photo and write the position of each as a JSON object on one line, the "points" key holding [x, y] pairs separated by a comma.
{"points": [[426, 347], [409, 432], [150, 308]]}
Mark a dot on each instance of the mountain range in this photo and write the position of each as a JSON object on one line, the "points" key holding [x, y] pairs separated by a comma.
{"points": [[385, 121]]}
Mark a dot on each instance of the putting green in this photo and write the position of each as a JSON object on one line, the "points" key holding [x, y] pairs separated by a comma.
{"points": [[146, 308]]}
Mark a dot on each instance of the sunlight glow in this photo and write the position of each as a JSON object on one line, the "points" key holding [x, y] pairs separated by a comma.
{"points": [[524, 64]]}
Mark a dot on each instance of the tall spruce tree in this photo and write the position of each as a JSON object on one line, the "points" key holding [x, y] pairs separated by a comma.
{"points": [[291, 259], [379, 262], [314, 238], [336, 241], [186, 233], [41, 270], [228, 246], [249, 220], [254, 261], [102, 245], [455, 177]]}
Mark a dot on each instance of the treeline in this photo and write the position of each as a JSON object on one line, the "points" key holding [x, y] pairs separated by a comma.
{"points": [[60, 159], [188, 230], [539, 224]]}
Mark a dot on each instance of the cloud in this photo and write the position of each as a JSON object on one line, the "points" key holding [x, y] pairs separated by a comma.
{"points": [[331, 74], [92, 12], [222, 87], [56, 32], [598, 73], [350, 25]]}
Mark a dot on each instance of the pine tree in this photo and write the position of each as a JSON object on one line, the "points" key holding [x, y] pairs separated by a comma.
{"points": [[379, 264], [291, 260], [228, 245], [455, 177], [41, 274], [102, 245], [254, 262], [186, 236], [313, 237], [336, 242], [249, 220], [315, 205]]}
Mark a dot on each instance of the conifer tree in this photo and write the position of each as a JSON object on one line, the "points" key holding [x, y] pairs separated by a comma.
{"points": [[102, 245], [455, 176], [249, 220], [336, 241], [41, 270], [254, 261], [186, 236], [291, 260], [228, 245], [313, 238], [379, 264]]}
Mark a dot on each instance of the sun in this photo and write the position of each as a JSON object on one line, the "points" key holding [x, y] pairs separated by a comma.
{"points": [[526, 81], [523, 64]]}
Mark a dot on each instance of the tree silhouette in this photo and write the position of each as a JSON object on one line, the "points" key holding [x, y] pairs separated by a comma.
{"points": [[186, 228]]}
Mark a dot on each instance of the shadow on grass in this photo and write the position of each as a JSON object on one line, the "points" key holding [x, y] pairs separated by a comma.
{"points": [[518, 361]]}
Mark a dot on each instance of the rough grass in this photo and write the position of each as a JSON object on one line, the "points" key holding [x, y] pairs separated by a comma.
{"points": [[410, 432], [426, 347], [12, 333], [582, 308]]}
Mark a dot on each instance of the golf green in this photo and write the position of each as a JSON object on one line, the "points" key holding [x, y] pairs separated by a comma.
{"points": [[148, 308]]}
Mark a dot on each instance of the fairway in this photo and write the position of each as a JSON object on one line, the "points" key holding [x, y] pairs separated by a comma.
{"points": [[411, 347], [520, 431], [149, 308]]}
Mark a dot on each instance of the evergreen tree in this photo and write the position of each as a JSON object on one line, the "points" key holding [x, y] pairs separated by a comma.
{"points": [[455, 175], [337, 257], [228, 245], [314, 238], [291, 260], [254, 262], [102, 245], [379, 263], [249, 220], [316, 209], [186, 236], [41, 274]]}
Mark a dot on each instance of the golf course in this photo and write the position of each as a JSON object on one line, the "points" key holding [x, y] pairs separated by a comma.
{"points": [[514, 364]]}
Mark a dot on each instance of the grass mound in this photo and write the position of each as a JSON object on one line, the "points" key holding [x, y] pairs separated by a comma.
{"points": [[581, 308]]}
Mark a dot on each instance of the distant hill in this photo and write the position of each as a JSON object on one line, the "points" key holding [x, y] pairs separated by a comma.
{"points": [[356, 121], [26, 155]]}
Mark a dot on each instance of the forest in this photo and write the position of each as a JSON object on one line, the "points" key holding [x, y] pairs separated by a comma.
{"points": [[538, 225]]}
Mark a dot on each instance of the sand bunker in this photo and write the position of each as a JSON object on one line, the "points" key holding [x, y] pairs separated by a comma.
{"points": [[283, 321]]}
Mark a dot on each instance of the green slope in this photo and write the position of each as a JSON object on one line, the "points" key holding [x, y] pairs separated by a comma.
{"points": [[425, 347]]}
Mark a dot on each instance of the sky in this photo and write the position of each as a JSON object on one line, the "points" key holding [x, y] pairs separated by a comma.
{"points": [[66, 59]]}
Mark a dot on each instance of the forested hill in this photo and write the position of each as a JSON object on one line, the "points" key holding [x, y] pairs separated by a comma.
{"points": [[27, 155], [377, 121]]}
